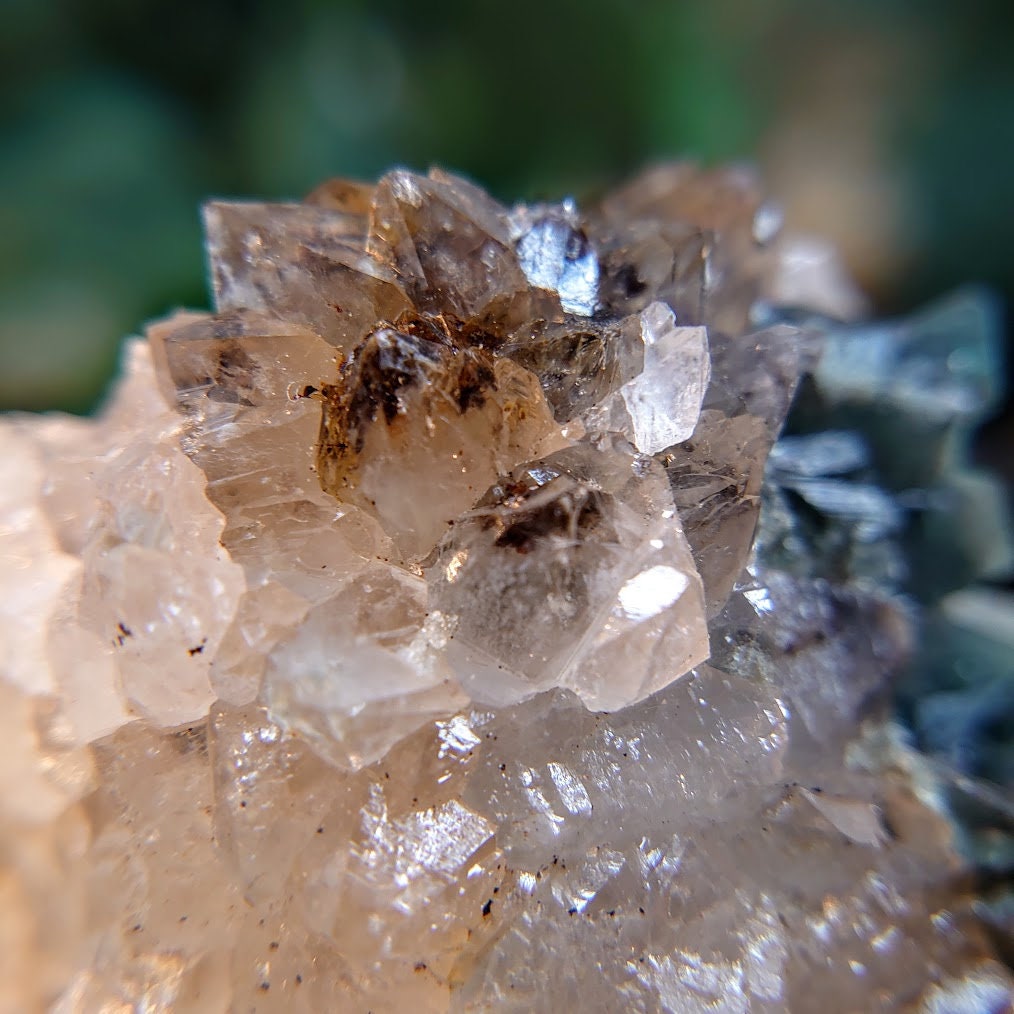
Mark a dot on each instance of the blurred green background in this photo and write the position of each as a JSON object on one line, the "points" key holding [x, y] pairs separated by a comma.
{"points": [[887, 126]]}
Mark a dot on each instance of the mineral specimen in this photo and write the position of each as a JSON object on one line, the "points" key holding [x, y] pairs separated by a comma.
{"points": [[397, 638]]}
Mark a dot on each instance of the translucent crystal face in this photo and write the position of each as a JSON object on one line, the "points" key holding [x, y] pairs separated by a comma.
{"points": [[450, 345], [397, 639]]}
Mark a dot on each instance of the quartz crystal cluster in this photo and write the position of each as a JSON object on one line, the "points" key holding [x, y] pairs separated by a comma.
{"points": [[397, 639]]}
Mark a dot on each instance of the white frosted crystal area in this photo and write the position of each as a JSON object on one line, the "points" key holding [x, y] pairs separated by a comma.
{"points": [[533, 858], [129, 590], [35, 569], [363, 669], [37, 782], [660, 406]]}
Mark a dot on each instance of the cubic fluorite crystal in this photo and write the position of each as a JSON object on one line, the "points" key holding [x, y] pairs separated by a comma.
{"points": [[395, 639]]}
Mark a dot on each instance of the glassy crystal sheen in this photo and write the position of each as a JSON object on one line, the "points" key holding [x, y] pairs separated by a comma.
{"points": [[395, 638]]}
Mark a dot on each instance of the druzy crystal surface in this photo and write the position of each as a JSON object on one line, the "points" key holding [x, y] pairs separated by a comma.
{"points": [[398, 637]]}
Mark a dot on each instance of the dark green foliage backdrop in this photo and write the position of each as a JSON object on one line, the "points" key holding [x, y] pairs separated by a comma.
{"points": [[886, 125]]}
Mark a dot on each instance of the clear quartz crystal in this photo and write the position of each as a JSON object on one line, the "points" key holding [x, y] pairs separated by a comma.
{"points": [[555, 254], [394, 638], [660, 405]]}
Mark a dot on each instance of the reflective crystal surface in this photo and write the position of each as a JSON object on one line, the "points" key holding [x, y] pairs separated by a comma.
{"points": [[398, 638]]}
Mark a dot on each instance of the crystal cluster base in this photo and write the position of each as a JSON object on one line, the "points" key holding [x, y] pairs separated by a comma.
{"points": [[395, 639]]}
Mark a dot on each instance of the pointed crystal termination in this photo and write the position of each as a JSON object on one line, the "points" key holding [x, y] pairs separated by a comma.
{"points": [[354, 658], [661, 404], [716, 474], [559, 578], [448, 243]]}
